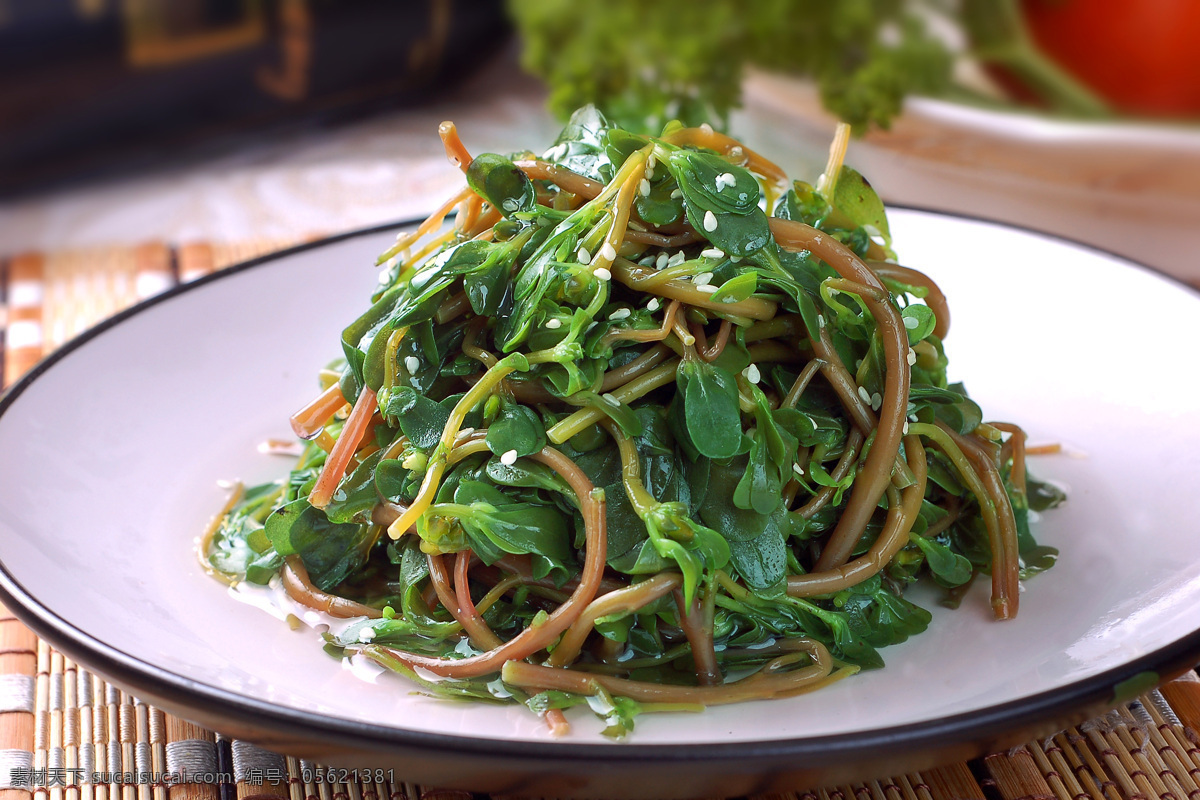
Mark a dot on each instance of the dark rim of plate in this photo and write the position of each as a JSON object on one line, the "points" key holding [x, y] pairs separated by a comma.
{"points": [[983, 726]]}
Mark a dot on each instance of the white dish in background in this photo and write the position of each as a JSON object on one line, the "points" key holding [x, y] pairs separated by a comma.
{"points": [[111, 452], [1130, 187]]}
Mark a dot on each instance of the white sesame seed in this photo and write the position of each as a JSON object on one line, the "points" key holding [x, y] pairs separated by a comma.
{"points": [[820, 320], [677, 259], [706, 129], [912, 417], [647, 261], [912, 356], [721, 181], [904, 430], [509, 458], [649, 172], [608, 252], [703, 278], [412, 364], [583, 255], [911, 323], [796, 468], [710, 221], [554, 323], [654, 304], [663, 258], [602, 274], [725, 179], [707, 288], [712, 252], [736, 259], [611, 399], [620, 313], [651, 161], [644, 188], [678, 193], [864, 394], [366, 634], [752, 374], [876, 401]]}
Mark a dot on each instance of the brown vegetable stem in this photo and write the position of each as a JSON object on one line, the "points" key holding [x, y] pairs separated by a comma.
{"points": [[542, 632], [622, 601], [773, 680], [877, 470], [300, 588], [903, 508]]}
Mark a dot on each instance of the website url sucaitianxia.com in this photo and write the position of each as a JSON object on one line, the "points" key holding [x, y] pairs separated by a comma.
{"points": [[66, 777]]}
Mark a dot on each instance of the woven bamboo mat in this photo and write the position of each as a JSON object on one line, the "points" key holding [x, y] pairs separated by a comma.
{"points": [[67, 735]]}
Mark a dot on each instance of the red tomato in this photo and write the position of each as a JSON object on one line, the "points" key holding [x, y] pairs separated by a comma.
{"points": [[1143, 56]]}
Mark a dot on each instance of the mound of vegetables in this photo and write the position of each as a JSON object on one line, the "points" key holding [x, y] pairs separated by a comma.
{"points": [[647, 427]]}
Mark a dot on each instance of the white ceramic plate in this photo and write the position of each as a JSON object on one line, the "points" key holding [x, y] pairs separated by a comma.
{"points": [[111, 451]]}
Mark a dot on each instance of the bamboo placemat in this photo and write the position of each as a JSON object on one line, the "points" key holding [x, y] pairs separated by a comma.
{"points": [[67, 735]]}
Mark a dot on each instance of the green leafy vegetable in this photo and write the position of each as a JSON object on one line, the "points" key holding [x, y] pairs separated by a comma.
{"points": [[592, 446]]}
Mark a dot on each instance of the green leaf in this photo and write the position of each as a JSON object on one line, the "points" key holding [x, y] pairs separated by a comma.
{"points": [[1042, 496], [761, 561], [737, 288], [849, 646], [625, 529], [621, 144], [710, 404], [528, 474], [488, 516], [421, 419], [414, 565], [812, 428], [761, 487], [518, 428], [856, 199], [497, 180], [950, 569], [737, 234], [802, 203], [331, 552], [710, 183], [358, 335], [618, 412], [963, 416], [580, 145], [720, 512], [240, 545], [486, 287], [919, 322], [1035, 558], [355, 496], [771, 457], [659, 207], [391, 478]]}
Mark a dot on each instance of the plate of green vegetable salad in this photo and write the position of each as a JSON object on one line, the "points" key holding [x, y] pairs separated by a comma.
{"points": [[650, 472]]}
